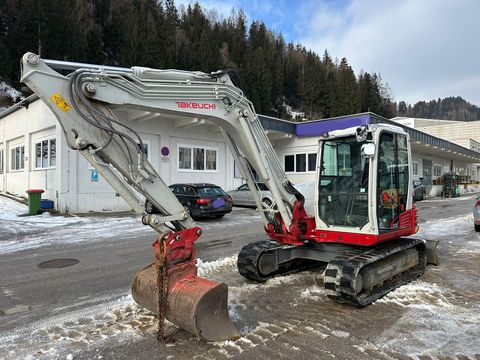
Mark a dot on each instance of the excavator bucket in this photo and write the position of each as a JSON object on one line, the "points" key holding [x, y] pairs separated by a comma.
{"points": [[195, 304]]}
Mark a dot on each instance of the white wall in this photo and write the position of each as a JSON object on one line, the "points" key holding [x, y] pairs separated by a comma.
{"points": [[69, 184], [25, 127]]}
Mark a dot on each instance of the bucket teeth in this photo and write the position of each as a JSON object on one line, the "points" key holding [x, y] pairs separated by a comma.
{"points": [[195, 304]]}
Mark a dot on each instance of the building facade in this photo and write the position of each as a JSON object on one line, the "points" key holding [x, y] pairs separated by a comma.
{"points": [[463, 133], [34, 154]]}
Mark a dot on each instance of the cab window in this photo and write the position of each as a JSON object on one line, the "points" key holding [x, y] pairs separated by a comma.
{"points": [[393, 179]]}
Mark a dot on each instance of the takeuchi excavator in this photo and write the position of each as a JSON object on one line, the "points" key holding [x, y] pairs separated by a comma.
{"points": [[363, 215]]}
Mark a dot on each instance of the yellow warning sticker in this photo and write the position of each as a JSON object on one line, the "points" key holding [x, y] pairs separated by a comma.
{"points": [[60, 102]]}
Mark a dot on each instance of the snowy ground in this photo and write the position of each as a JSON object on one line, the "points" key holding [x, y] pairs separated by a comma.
{"points": [[436, 317], [19, 232]]}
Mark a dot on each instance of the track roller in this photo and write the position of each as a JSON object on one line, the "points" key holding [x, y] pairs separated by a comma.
{"points": [[367, 276], [259, 262]]}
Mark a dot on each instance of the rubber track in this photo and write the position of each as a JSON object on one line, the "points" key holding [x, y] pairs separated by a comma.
{"points": [[248, 258], [341, 273]]}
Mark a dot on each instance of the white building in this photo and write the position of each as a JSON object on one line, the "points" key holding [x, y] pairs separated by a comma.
{"points": [[33, 154], [463, 133]]}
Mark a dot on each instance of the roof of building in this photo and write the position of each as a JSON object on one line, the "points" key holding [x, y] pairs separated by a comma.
{"points": [[321, 126], [23, 103]]}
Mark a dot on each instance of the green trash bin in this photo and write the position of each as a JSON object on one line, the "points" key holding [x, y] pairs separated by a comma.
{"points": [[34, 200]]}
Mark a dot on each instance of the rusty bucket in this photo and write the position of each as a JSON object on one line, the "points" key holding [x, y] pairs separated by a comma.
{"points": [[195, 304]]}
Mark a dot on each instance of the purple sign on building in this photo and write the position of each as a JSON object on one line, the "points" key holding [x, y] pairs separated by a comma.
{"points": [[316, 128]]}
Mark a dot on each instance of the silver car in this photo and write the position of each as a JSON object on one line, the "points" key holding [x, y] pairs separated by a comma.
{"points": [[476, 214], [244, 197]]}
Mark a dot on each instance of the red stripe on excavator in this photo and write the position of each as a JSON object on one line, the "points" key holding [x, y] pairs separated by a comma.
{"points": [[356, 238], [407, 221]]}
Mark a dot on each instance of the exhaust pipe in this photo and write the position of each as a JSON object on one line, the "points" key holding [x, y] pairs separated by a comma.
{"points": [[195, 304]]}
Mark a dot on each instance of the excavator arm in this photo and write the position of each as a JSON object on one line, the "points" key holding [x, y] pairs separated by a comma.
{"points": [[94, 106]]}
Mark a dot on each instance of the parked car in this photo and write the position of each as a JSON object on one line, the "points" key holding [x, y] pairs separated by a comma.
{"points": [[244, 197], [201, 200], [476, 214], [419, 190]]}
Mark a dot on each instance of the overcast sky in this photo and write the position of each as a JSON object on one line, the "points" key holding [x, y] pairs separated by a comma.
{"points": [[424, 49]]}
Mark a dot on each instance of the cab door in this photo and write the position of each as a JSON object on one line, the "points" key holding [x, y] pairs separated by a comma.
{"points": [[392, 182]]}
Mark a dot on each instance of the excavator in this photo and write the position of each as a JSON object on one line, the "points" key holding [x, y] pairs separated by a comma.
{"points": [[363, 218]]}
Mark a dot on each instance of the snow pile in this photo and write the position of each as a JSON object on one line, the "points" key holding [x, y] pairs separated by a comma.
{"points": [[460, 198], [208, 267], [313, 293], [340, 334], [451, 327], [84, 328], [471, 188], [449, 228], [420, 295], [434, 330], [19, 233], [9, 92], [13, 221], [321, 334]]}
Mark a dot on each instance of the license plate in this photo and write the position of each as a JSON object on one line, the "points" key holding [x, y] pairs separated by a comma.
{"points": [[218, 203]]}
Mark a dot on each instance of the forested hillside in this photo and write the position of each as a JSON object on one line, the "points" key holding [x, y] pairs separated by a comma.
{"points": [[282, 79], [275, 75], [451, 108]]}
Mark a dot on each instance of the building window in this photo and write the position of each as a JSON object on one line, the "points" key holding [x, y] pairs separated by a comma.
{"points": [[45, 154], [17, 158], [198, 159], [289, 163], [437, 170], [184, 158], [211, 159], [1, 160], [312, 161], [415, 168], [300, 163], [195, 158]]}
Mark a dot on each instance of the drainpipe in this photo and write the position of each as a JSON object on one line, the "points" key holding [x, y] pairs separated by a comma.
{"points": [[5, 151], [27, 154]]}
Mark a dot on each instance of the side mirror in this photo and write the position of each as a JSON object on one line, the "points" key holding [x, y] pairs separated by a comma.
{"points": [[367, 150]]}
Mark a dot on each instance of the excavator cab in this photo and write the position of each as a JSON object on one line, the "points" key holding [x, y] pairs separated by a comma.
{"points": [[363, 183]]}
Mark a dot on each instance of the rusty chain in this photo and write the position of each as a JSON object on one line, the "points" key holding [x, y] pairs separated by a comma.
{"points": [[162, 286]]}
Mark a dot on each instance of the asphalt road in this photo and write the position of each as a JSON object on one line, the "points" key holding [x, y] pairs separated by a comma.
{"points": [[105, 267], [42, 310]]}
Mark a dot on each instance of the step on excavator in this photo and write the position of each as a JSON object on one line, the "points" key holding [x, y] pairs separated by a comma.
{"points": [[363, 214]]}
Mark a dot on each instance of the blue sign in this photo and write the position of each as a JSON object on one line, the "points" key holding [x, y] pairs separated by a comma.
{"points": [[94, 176]]}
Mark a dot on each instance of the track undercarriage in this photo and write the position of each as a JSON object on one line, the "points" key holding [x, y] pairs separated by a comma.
{"points": [[355, 275]]}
